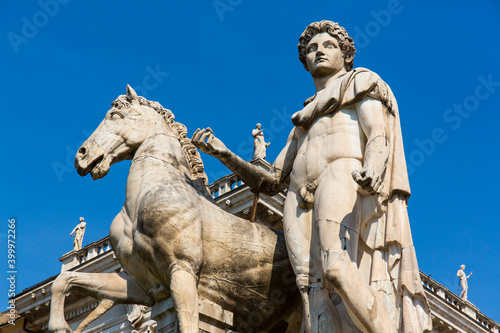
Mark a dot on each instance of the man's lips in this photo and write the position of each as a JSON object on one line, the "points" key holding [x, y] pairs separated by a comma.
{"points": [[320, 59]]}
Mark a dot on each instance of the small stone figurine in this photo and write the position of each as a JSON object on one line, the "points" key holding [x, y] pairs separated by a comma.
{"points": [[78, 231], [259, 145], [463, 282]]}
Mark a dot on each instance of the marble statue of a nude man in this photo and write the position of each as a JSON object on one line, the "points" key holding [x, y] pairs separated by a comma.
{"points": [[338, 153], [463, 282]]}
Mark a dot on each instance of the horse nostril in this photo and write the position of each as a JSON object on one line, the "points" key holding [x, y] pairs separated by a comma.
{"points": [[82, 151]]}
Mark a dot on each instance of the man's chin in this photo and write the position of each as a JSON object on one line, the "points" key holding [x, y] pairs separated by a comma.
{"points": [[319, 72], [323, 69]]}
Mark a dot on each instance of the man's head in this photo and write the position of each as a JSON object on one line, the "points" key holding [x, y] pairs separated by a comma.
{"points": [[462, 267], [81, 219], [345, 42], [258, 126]]}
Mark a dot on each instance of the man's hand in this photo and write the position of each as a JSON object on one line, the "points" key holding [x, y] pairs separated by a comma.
{"points": [[212, 146], [368, 180]]}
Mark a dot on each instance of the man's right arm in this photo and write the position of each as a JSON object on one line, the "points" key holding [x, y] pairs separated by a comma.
{"points": [[259, 180]]}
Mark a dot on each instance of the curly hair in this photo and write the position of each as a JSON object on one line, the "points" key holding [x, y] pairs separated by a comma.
{"points": [[346, 43]]}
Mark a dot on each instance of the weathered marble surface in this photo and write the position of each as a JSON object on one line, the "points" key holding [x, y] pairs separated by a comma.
{"points": [[345, 218], [345, 221], [170, 238], [449, 312]]}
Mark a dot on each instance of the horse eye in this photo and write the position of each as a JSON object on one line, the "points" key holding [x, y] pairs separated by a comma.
{"points": [[113, 114]]}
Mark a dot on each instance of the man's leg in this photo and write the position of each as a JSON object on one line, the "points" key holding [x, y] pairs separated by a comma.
{"points": [[463, 294], [337, 208], [302, 243]]}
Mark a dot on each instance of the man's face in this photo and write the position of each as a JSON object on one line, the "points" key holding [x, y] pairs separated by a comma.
{"points": [[324, 56]]}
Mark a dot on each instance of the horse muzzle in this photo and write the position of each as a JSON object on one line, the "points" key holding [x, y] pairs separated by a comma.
{"points": [[87, 159]]}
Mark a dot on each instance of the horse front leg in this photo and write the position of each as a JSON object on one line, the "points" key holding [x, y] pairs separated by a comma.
{"points": [[184, 294], [57, 323], [112, 287]]}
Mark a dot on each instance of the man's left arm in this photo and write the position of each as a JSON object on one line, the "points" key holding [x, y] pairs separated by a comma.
{"points": [[371, 118]]}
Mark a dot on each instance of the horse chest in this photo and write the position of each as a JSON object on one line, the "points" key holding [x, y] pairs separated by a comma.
{"points": [[131, 252]]}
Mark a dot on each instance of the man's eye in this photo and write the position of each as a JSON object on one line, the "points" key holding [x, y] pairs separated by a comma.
{"points": [[330, 46]]}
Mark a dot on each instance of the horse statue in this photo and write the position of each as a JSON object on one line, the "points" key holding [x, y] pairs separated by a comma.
{"points": [[170, 237]]}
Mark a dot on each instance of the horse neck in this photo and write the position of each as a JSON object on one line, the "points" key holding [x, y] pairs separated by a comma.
{"points": [[158, 160], [162, 147]]}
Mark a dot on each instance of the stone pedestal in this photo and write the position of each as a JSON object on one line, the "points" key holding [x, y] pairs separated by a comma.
{"points": [[471, 310], [213, 318]]}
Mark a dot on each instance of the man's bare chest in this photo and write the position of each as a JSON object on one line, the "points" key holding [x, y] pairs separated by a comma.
{"points": [[338, 128]]}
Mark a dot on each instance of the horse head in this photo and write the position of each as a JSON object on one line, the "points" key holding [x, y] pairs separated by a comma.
{"points": [[116, 139], [130, 121]]}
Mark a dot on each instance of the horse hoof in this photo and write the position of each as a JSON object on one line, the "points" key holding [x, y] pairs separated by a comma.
{"points": [[59, 329]]}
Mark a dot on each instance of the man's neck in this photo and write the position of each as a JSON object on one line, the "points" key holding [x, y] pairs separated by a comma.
{"points": [[321, 82]]}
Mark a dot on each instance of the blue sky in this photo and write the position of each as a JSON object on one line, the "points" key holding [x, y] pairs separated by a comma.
{"points": [[229, 64]]}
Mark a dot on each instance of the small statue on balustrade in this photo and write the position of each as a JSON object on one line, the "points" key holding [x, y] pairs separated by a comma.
{"points": [[78, 231], [463, 282], [259, 145]]}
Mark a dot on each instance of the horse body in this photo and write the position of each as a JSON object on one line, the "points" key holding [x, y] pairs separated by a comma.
{"points": [[170, 239]]}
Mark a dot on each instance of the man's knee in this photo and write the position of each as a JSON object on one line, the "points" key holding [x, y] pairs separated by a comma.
{"points": [[333, 267]]}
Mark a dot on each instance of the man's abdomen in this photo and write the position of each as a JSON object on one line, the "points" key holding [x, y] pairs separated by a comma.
{"points": [[331, 137]]}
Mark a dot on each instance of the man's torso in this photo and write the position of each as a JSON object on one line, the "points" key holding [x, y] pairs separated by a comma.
{"points": [[331, 137]]}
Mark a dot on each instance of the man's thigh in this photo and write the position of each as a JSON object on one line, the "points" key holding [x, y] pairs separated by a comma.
{"points": [[337, 210], [301, 237]]}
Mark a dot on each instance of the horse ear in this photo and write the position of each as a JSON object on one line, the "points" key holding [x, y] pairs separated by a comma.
{"points": [[131, 94]]}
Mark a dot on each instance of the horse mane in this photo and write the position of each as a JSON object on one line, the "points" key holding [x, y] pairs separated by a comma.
{"points": [[190, 152]]}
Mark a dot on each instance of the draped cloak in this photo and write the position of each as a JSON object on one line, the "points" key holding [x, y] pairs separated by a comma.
{"points": [[385, 230]]}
